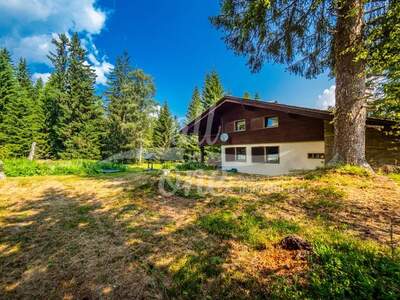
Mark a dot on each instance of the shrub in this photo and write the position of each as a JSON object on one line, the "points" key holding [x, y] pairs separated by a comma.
{"points": [[25, 167]]}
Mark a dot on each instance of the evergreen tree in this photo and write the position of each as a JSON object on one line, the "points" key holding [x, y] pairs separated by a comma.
{"points": [[311, 37], [190, 142], [16, 111], [130, 96], [212, 91], [257, 96], [74, 112], [24, 78], [246, 95], [82, 119], [195, 106], [164, 130], [55, 94], [384, 61]]}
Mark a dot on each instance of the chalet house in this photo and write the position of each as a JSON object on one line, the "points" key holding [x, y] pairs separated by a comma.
{"points": [[268, 138]]}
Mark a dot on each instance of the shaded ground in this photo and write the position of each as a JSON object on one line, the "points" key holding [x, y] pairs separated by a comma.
{"points": [[121, 237]]}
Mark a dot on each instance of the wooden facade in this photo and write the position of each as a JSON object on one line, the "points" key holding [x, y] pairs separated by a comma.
{"points": [[296, 124]]}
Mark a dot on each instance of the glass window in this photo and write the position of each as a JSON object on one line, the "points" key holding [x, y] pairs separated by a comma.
{"points": [[241, 153], [316, 156], [235, 154], [258, 154], [272, 155], [271, 122], [240, 125]]}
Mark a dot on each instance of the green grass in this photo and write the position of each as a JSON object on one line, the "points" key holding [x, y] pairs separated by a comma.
{"points": [[24, 167], [395, 177]]}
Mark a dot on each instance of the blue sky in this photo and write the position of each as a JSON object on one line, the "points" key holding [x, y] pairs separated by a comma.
{"points": [[171, 40]]}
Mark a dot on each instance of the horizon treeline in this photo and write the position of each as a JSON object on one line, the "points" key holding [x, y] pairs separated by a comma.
{"points": [[68, 120]]}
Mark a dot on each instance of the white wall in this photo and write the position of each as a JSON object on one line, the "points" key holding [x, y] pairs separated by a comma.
{"points": [[293, 156]]}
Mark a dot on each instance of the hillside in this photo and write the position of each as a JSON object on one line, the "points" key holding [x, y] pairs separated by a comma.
{"points": [[118, 236]]}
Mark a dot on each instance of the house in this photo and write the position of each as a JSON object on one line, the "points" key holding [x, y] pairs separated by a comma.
{"points": [[268, 138]]}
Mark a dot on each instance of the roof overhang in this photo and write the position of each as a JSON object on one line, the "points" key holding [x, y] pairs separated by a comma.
{"points": [[302, 111]]}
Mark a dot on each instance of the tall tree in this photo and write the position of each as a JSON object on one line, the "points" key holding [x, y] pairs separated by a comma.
{"points": [[81, 122], [212, 90], [311, 36], [74, 112], [130, 95], [55, 94], [16, 126], [384, 65], [164, 130], [190, 142], [195, 106]]}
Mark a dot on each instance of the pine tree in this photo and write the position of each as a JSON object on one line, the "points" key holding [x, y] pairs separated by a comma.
{"points": [[34, 102], [55, 94], [311, 37], [130, 105], [81, 122], [195, 107], [384, 60], [190, 142], [16, 111], [212, 91], [164, 130], [246, 95], [257, 96]]}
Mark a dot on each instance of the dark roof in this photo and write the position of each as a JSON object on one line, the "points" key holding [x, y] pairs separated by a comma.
{"points": [[303, 111]]}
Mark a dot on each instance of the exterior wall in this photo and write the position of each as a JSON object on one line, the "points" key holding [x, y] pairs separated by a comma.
{"points": [[292, 128], [293, 156], [380, 148]]}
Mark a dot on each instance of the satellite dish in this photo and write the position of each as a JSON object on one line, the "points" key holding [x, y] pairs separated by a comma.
{"points": [[224, 137]]}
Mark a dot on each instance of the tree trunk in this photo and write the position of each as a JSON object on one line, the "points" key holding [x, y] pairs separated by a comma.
{"points": [[350, 113], [32, 152]]}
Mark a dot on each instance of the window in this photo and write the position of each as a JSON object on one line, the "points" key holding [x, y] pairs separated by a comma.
{"points": [[235, 154], [241, 154], [268, 155], [271, 122], [258, 154], [316, 156], [240, 125], [272, 155]]}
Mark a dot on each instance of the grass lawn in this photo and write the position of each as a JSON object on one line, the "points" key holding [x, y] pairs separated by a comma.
{"points": [[120, 236]]}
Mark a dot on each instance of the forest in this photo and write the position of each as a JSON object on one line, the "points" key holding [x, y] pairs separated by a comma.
{"points": [[68, 118]]}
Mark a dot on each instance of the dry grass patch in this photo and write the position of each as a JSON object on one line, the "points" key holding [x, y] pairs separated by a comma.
{"points": [[121, 237]]}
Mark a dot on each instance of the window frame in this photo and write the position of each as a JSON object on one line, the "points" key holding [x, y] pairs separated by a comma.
{"points": [[235, 128], [245, 154], [276, 162], [316, 155], [270, 117], [265, 155], [234, 157]]}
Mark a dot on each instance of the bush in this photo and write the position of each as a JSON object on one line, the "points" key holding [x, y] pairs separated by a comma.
{"points": [[193, 165], [24, 167]]}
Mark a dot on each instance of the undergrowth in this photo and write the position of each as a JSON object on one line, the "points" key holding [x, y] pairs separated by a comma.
{"points": [[25, 167]]}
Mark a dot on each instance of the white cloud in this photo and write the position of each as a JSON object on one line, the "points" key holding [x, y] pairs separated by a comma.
{"points": [[28, 26], [44, 76], [327, 98], [102, 69]]}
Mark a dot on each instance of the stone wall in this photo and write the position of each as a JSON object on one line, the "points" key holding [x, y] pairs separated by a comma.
{"points": [[380, 149]]}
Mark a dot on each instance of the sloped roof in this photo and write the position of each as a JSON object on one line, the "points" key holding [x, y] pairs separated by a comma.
{"points": [[303, 111]]}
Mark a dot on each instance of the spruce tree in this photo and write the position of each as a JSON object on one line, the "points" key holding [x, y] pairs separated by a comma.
{"points": [[55, 94], [16, 112], [190, 142], [195, 106], [130, 105], [164, 130], [312, 37], [212, 91], [82, 119]]}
